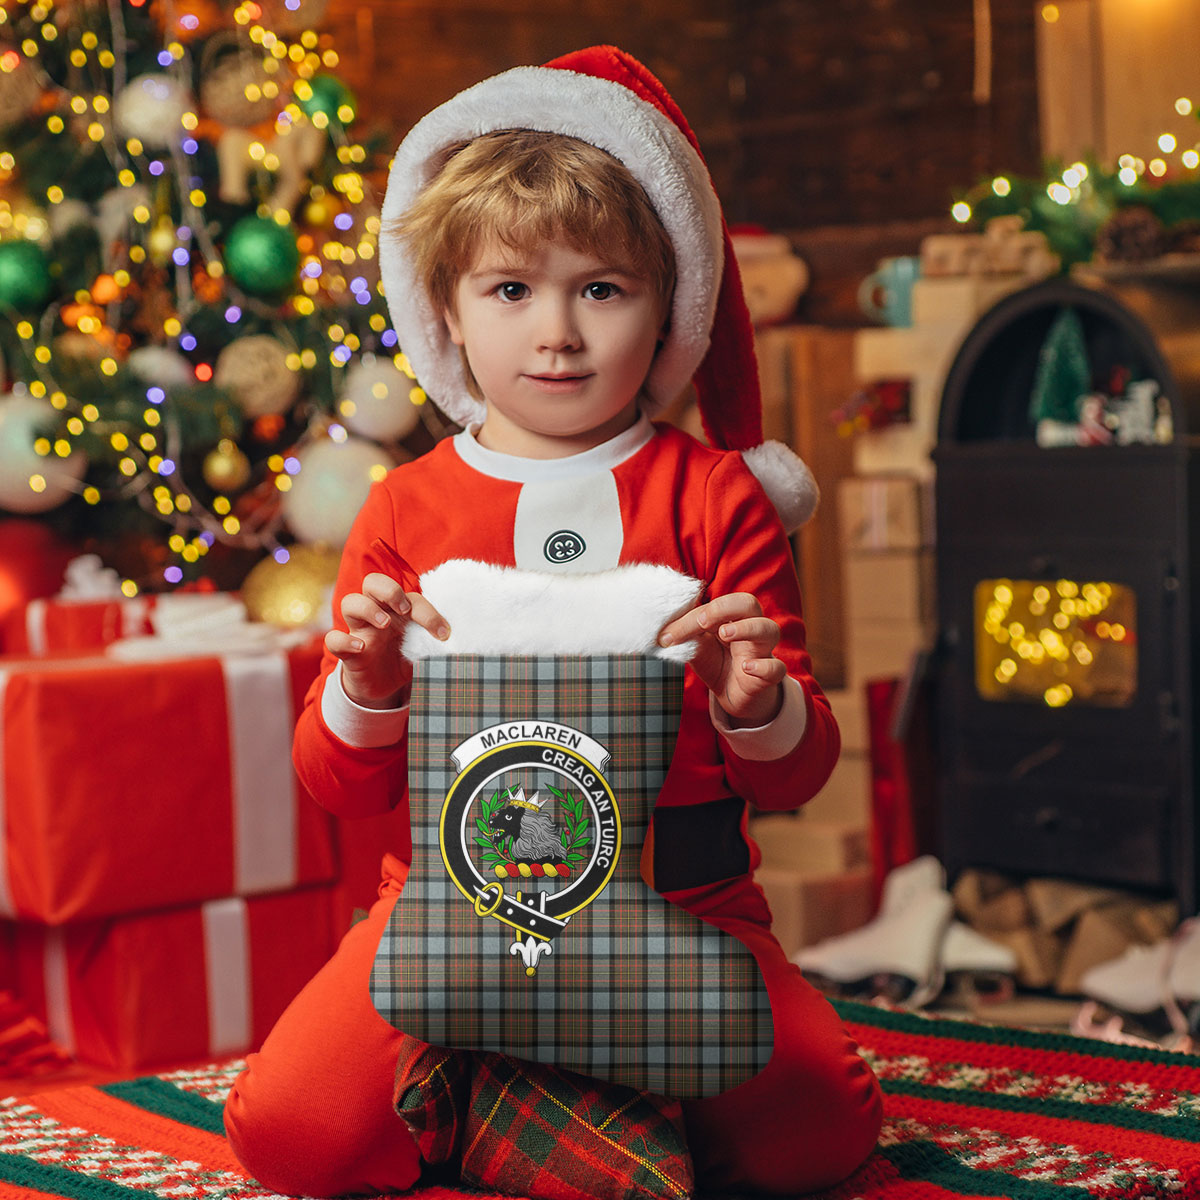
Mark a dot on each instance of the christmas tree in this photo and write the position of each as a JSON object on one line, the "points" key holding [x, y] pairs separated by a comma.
{"points": [[196, 357]]}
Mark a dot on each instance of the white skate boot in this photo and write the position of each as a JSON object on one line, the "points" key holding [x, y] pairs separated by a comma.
{"points": [[1155, 987], [898, 953], [979, 966]]}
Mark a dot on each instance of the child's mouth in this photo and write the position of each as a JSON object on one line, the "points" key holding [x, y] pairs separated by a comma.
{"points": [[558, 383]]}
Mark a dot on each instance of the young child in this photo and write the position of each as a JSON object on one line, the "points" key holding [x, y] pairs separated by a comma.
{"points": [[558, 270]]}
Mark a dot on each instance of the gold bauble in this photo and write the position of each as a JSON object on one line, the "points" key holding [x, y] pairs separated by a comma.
{"points": [[226, 468], [162, 242], [295, 593]]}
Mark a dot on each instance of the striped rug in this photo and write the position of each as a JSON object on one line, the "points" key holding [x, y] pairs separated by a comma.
{"points": [[972, 1111]]}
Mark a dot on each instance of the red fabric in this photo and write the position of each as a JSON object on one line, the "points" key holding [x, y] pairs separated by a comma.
{"points": [[109, 767], [893, 836], [138, 986], [727, 380], [312, 1114]]}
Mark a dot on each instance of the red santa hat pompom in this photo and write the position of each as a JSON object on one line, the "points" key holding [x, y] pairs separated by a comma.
{"points": [[607, 98]]}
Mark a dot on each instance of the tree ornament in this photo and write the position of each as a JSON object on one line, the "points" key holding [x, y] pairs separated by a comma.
{"points": [[150, 108], [255, 370], [67, 215], [225, 467], [375, 400], [161, 242], [24, 275], [236, 88], [294, 593], [262, 255], [114, 218], [33, 559], [161, 366], [1131, 234], [330, 488], [31, 482], [20, 90], [327, 95]]}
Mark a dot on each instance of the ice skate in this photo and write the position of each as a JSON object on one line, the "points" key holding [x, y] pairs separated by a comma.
{"points": [[898, 953], [1154, 989], [978, 965]]}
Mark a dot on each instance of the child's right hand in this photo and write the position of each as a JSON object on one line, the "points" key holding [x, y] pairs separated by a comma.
{"points": [[374, 673]]}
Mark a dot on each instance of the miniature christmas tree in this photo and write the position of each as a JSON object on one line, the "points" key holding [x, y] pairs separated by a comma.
{"points": [[193, 337], [1063, 375]]}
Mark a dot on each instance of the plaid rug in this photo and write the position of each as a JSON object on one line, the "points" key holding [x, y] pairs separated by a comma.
{"points": [[971, 1111], [525, 926]]}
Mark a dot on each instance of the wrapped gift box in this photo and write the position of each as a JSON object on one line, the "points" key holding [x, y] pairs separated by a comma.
{"points": [[131, 786], [52, 625], [184, 985]]}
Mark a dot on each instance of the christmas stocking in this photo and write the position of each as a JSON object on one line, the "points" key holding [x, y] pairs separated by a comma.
{"points": [[525, 926]]}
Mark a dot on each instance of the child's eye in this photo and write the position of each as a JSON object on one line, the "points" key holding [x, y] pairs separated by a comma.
{"points": [[601, 291], [512, 291]]}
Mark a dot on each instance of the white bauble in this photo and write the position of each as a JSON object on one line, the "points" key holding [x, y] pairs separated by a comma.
{"points": [[20, 90], [150, 108], [66, 215], [255, 370], [330, 488], [375, 401], [162, 366], [23, 419]]}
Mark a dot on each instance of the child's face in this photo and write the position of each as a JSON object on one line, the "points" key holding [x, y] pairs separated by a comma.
{"points": [[559, 342]]}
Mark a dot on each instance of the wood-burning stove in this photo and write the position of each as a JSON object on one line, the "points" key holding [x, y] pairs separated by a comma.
{"points": [[1067, 664]]}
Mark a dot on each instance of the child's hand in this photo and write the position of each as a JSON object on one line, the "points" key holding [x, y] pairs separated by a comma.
{"points": [[734, 656], [374, 673]]}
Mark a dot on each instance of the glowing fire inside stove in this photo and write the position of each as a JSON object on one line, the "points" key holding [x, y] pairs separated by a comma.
{"points": [[1056, 641]]}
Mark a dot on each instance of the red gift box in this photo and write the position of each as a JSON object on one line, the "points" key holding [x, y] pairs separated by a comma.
{"points": [[52, 625], [132, 786], [173, 987]]}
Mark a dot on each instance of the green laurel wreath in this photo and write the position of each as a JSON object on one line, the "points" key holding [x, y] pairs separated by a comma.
{"points": [[576, 834]]}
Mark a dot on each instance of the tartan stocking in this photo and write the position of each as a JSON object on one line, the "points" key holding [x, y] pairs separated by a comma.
{"points": [[432, 1088]]}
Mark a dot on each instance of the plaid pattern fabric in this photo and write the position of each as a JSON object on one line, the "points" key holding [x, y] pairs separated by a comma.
{"points": [[632, 989], [530, 1130]]}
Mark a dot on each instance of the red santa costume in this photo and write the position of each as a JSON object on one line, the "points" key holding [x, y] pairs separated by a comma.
{"points": [[313, 1112]]}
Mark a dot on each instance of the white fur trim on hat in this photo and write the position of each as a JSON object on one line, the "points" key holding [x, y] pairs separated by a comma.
{"points": [[604, 114], [506, 610], [786, 479]]}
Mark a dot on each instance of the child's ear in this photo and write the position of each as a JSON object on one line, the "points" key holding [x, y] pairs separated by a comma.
{"points": [[452, 327]]}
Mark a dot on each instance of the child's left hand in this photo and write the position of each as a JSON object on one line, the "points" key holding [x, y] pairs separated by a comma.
{"points": [[734, 655]]}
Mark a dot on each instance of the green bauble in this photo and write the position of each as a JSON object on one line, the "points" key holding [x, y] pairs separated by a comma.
{"points": [[329, 95], [24, 275], [262, 255]]}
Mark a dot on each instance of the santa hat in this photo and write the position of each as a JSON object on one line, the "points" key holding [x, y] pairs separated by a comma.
{"points": [[607, 98]]}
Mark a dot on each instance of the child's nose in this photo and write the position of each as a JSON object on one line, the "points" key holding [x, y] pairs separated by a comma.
{"points": [[557, 329]]}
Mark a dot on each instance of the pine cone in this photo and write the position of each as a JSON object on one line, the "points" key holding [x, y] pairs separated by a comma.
{"points": [[1132, 234]]}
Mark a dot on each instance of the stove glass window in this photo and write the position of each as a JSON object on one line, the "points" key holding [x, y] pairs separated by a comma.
{"points": [[1057, 642]]}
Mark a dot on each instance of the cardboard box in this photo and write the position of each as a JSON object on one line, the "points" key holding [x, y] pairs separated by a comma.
{"points": [[846, 797], [850, 709], [130, 786], [885, 512], [808, 908], [888, 586], [178, 986], [800, 842], [885, 650], [960, 299]]}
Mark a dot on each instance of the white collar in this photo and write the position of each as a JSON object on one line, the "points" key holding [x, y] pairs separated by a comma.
{"points": [[510, 467]]}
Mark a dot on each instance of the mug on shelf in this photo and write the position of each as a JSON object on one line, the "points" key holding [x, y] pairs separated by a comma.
{"points": [[886, 294]]}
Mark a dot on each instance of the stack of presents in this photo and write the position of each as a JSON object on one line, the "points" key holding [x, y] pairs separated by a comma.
{"points": [[166, 885], [823, 870]]}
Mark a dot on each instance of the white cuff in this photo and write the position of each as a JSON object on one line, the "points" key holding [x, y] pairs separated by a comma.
{"points": [[777, 738], [355, 725]]}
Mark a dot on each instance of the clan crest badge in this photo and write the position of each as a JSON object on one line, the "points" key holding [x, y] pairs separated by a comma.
{"points": [[530, 829]]}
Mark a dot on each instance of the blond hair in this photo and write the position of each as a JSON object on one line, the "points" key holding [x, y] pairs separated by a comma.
{"points": [[520, 188]]}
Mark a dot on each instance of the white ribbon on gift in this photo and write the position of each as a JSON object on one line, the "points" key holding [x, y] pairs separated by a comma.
{"points": [[227, 975], [258, 695], [226, 972]]}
